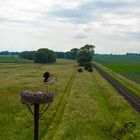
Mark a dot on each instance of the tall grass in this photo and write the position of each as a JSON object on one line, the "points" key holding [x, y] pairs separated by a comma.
{"points": [[96, 111], [16, 123], [86, 107]]}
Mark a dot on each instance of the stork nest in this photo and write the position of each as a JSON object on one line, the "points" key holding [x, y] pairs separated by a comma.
{"points": [[36, 97]]}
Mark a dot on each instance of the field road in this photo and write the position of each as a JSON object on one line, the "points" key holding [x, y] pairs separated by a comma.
{"points": [[134, 101]]}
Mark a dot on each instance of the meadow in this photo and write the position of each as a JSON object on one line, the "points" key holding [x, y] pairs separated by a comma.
{"points": [[86, 106], [12, 59], [128, 66]]}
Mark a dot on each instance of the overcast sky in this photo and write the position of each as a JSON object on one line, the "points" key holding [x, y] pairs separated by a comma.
{"points": [[113, 26]]}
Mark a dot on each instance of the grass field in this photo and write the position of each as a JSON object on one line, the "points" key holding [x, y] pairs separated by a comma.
{"points": [[128, 66], [86, 107], [13, 59]]}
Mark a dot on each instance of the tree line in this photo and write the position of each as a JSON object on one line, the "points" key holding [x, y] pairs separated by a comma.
{"points": [[44, 55], [9, 53]]}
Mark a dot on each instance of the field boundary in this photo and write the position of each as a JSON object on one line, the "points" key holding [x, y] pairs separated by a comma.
{"points": [[133, 100], [57, 116]]}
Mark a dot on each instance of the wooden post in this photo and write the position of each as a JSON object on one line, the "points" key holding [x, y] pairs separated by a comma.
{"points": [[36, 121]]}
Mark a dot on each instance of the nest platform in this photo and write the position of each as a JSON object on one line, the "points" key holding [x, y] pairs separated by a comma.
{"points": [[36, 97]]}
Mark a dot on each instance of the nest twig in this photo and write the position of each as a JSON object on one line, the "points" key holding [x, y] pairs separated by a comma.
{"points": [[36, 97]]}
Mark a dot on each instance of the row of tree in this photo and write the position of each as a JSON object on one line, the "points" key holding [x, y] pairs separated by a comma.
{"points": [[72, 54], [9, 53], [43, 55], [83, 55]]}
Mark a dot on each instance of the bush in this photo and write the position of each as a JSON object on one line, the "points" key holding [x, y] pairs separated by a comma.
{"points": [[80, 70], [123, 130], [88, 67]]}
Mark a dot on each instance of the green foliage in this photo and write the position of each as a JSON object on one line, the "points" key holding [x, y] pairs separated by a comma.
{"points": [[85, 54], [90, 69], [60, 54], [120, 130], [74, 52], [27, 55], [80, 70], [68, 55], [44, 56], [88, 66], [8, 53]]}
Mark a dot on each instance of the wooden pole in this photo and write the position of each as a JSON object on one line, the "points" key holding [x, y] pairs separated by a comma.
{"points": [[36, 121]]}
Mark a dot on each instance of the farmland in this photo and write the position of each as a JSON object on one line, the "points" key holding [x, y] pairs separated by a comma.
{"points": [[85, 107], [128, 66]]}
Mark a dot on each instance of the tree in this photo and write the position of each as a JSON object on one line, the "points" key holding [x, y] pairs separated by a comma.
{"points": [[27, 55], [74, 52], [44, 55], [60, 54], [85, 54], [68, 55], [4, 53]]}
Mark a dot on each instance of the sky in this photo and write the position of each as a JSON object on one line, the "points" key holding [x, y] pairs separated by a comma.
{"points": [[112, 26]]}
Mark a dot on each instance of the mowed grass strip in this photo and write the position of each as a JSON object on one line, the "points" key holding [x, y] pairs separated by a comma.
{"points": [[16, 122], [96, 111], [57, 116]]}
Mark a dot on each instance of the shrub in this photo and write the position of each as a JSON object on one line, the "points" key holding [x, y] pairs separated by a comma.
{"points": [[88, 67], [123, 130], [80, 70]]}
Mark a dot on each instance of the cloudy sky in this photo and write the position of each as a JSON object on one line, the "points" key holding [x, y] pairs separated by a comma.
{"points": [[113, 26]]}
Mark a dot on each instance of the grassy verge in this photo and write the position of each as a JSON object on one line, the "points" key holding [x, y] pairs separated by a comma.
{"points": [[96, 111]]}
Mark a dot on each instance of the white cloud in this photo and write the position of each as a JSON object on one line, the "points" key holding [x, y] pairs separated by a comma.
{"points": [[62, 25]]}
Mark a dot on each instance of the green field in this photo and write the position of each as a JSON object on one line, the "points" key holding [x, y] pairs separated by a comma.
{"points": [[86, 107], [13, 59], [128, 66]]}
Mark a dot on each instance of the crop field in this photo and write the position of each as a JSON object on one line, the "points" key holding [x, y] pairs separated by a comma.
{"points": [[86, 106], [128, 66]]}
